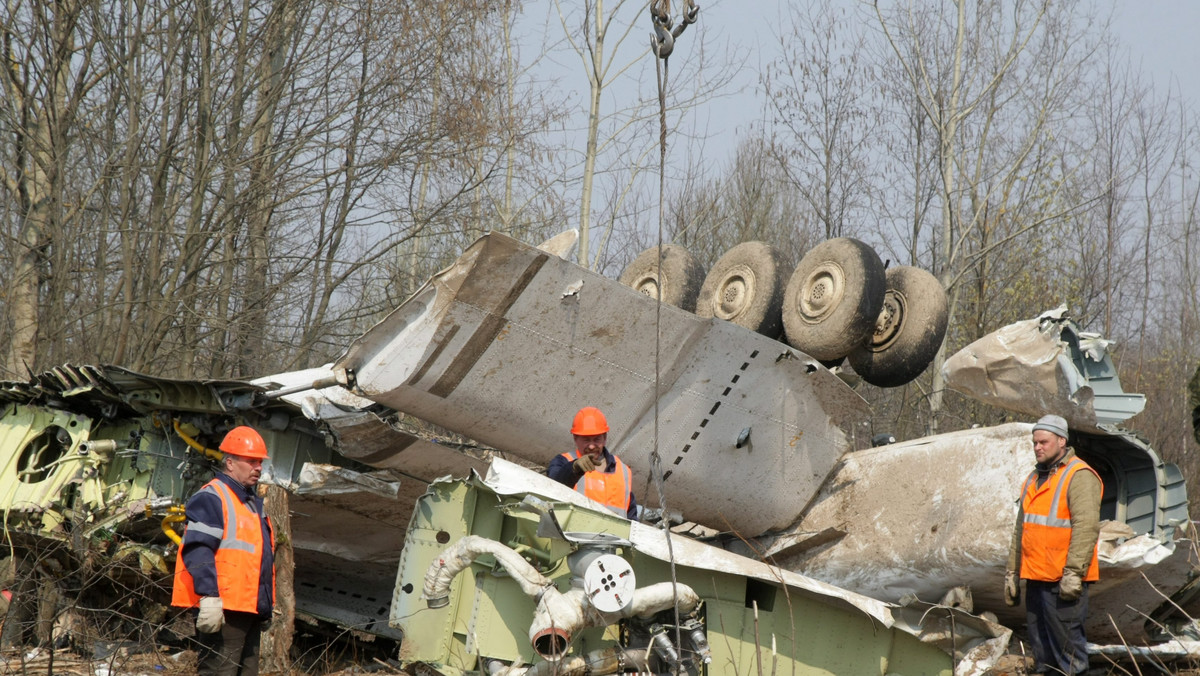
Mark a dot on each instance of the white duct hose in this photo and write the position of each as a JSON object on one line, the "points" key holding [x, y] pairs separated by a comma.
{"points": [[459, 556], [656, 598], [559, 616]]}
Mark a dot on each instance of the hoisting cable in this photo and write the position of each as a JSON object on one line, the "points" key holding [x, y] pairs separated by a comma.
{"points": [[662, 43]]}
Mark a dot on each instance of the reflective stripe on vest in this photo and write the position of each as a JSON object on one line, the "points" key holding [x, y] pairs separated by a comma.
{"points": [[611, 489], [238, 558], [1046, 525]]}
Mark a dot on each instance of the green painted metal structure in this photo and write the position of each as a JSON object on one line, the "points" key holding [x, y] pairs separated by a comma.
{"points": [[754, 625]]}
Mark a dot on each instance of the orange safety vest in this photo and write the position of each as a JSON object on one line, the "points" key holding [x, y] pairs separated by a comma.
{"points": [[611, 489], [1046, 529], [238, 557]]}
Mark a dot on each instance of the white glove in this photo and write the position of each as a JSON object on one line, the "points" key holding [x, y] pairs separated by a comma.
{"points": [[212, 615], [1012, 588], [1070, 587]]}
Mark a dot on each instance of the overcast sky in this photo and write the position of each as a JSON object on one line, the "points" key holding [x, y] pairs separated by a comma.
{"points": [[1160, 35]]}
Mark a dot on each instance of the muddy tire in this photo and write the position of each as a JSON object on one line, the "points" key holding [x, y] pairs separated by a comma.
{"points": [[745, 286], [833, 298], [681, 278], [908, 332]]}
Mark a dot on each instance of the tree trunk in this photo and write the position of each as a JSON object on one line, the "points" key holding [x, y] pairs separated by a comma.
{"points": [[277, 639]]}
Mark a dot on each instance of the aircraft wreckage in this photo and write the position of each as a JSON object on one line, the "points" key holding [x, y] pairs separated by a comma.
{"points": [[763, 449]]}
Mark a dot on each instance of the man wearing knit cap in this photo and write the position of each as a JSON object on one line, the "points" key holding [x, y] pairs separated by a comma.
{"points": [[1054, 550]]}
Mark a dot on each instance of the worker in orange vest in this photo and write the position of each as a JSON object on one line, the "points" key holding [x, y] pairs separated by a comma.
{"points": [[1054, 550], [225, 566], [592, 469]]}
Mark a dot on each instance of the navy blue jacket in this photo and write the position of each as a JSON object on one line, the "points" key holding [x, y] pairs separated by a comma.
{"points": [[199, 548], [563, 471]]}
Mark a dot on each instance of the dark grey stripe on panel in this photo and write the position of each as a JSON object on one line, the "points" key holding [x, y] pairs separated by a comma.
{"points": [[488, 329]]}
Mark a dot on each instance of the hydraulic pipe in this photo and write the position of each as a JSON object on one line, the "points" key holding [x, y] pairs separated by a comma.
{"points": [[315, 385]]}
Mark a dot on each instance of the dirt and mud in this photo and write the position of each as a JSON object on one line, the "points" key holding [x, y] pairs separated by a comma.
{"points": [[174, 662]]}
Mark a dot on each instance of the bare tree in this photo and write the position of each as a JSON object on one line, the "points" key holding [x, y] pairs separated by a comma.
{"points": [[223, 187], [992, 81], [824, 125], [50, 53], [598, 53]]}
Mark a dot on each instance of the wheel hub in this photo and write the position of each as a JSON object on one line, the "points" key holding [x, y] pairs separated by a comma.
{"points": [[889, 322], [648, 286], [822, 292], [734, 293]]}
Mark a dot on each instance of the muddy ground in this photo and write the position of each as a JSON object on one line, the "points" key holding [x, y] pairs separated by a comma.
{"points": [[183, 663], [167, 663]]}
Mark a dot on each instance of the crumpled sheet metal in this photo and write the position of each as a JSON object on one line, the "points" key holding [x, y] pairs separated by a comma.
{"points": [[316, 479], [327, 403], [110, 391], [359, 433], [1120, 548], [1034, 367], [977, 642]]}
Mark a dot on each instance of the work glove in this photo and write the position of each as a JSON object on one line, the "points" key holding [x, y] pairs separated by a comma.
{"points": [[1012, 588], [585, 463], [656, 514], [212, 615], [1070, 586]]}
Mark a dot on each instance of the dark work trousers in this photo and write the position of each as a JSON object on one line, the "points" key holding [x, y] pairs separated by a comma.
{"points": [[233, 651], [1056, 629]]}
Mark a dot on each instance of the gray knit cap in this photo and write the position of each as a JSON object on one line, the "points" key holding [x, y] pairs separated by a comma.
{"points": [[1052, 423]]}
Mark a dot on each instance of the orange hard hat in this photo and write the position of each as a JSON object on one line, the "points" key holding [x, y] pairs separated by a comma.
{"points": [[589, 422], [245, 442]]}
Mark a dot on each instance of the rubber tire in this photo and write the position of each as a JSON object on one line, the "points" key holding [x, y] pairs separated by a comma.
{"points": [[833, 298], [909, 331], [745, 286], [682, 276]]}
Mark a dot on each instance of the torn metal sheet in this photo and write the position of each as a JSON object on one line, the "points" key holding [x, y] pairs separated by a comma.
{"points": [[492, 348], [369, 433], [751, 609], [318, 479], [1045, 365]]}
